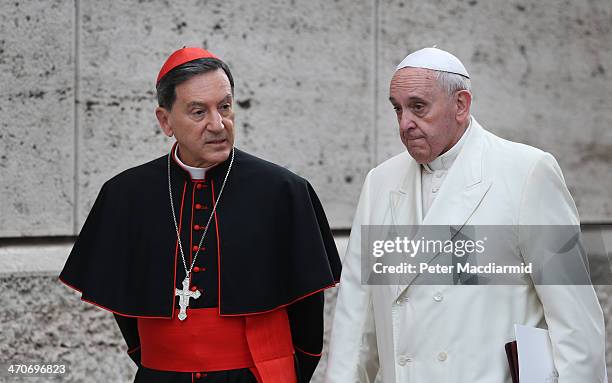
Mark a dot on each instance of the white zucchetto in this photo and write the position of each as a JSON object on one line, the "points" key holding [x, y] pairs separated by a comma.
{"points": [[434, 59]]}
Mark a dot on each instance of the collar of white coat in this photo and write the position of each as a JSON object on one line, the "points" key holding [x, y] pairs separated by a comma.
{"points": [[470, 158], [446, 160]]}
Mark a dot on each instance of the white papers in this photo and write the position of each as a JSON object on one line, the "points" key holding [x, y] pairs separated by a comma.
{"points": [[535, 357]]}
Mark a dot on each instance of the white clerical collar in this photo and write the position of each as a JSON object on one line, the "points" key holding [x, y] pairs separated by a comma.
{"points": [[445, 161], [196, 173]]}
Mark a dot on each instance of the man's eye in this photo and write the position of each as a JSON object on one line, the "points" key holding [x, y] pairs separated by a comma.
{"points": [[418, 107], [397, 109], [226, 106], [198, 112]]}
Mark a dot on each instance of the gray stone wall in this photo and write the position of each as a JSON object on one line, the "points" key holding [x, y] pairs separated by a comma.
{"points": [[76, 107], [311, 88]]}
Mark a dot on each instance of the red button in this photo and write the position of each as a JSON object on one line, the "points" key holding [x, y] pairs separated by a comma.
{"points": [[199, 186], [198, 375], [194, 288], [196, 269], [196, 227], [195, 248], [198, 206]]}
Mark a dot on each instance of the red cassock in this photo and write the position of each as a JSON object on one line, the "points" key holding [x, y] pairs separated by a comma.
{"points": [[261, 271]]}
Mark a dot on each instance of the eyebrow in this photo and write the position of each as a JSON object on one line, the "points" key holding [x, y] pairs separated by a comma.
{"points": [[192, 104], [410, 99]]}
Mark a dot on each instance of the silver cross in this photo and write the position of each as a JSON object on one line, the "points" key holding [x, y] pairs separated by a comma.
{"points": [[184, 296]]}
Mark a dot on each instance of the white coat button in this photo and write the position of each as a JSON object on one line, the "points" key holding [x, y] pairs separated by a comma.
{"points": [[438, 297], [398, 301], [434, 190], [403, 360], [442, 356]]}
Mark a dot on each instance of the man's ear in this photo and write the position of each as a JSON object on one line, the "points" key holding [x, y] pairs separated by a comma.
{"points": [[463, 102], [163, 117]]}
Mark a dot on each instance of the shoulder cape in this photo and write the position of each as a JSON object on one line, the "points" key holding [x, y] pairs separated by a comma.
{"points": [[275, 243]]}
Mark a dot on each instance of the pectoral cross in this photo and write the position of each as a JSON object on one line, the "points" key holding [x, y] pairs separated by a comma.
{"points": [[184, 296]]}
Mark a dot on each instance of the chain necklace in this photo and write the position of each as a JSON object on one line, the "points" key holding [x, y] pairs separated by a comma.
{"points": [[185, 294]]}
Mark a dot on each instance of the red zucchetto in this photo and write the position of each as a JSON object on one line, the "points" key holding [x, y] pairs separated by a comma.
{"points": [[181, 57]]}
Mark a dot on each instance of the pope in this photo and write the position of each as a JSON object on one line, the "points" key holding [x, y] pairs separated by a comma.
{"points": [[457, 175]]}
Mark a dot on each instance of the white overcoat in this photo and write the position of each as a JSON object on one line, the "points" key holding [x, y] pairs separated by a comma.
{"points": [[413, 333]]}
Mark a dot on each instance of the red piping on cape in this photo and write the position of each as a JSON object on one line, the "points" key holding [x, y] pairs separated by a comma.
{"points": [[212, 186], [133, 349], [106, 308], [177, 249], [280, 306], [218, 269], [307, 353], [214, 198], [173, 285], [193, 189]]}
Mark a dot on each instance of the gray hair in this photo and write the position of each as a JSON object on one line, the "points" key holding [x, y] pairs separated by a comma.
{"points": [[452, 82]]}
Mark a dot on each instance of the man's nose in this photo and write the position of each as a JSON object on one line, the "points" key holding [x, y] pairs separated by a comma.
{"points": [[407, 121], [216, 122]]}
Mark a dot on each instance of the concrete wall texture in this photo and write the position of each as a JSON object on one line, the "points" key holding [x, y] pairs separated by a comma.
{"points": [[77, 100], [311, 88]]}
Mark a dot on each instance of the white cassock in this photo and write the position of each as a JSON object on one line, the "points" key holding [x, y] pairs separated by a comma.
{"points": [[414, 333]]}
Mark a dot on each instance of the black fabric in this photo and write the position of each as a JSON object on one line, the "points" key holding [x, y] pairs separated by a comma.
{"points": [[129, 330], [275, 243], [270, 244], [146, 375], [306, 314]]}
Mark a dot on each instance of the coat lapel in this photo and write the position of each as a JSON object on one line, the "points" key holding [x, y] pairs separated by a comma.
{"points": [[405, 201]]}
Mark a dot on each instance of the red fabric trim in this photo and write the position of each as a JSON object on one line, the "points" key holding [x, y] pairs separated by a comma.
{"points": [[69, 285], [278, 307], [191, 228], [176, 250], [107, 309], [212, 188], [134, 349], [307, 353], [256, 374]]}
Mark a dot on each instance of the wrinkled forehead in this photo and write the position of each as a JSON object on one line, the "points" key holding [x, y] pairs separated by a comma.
{"points": [[413, 81]]}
